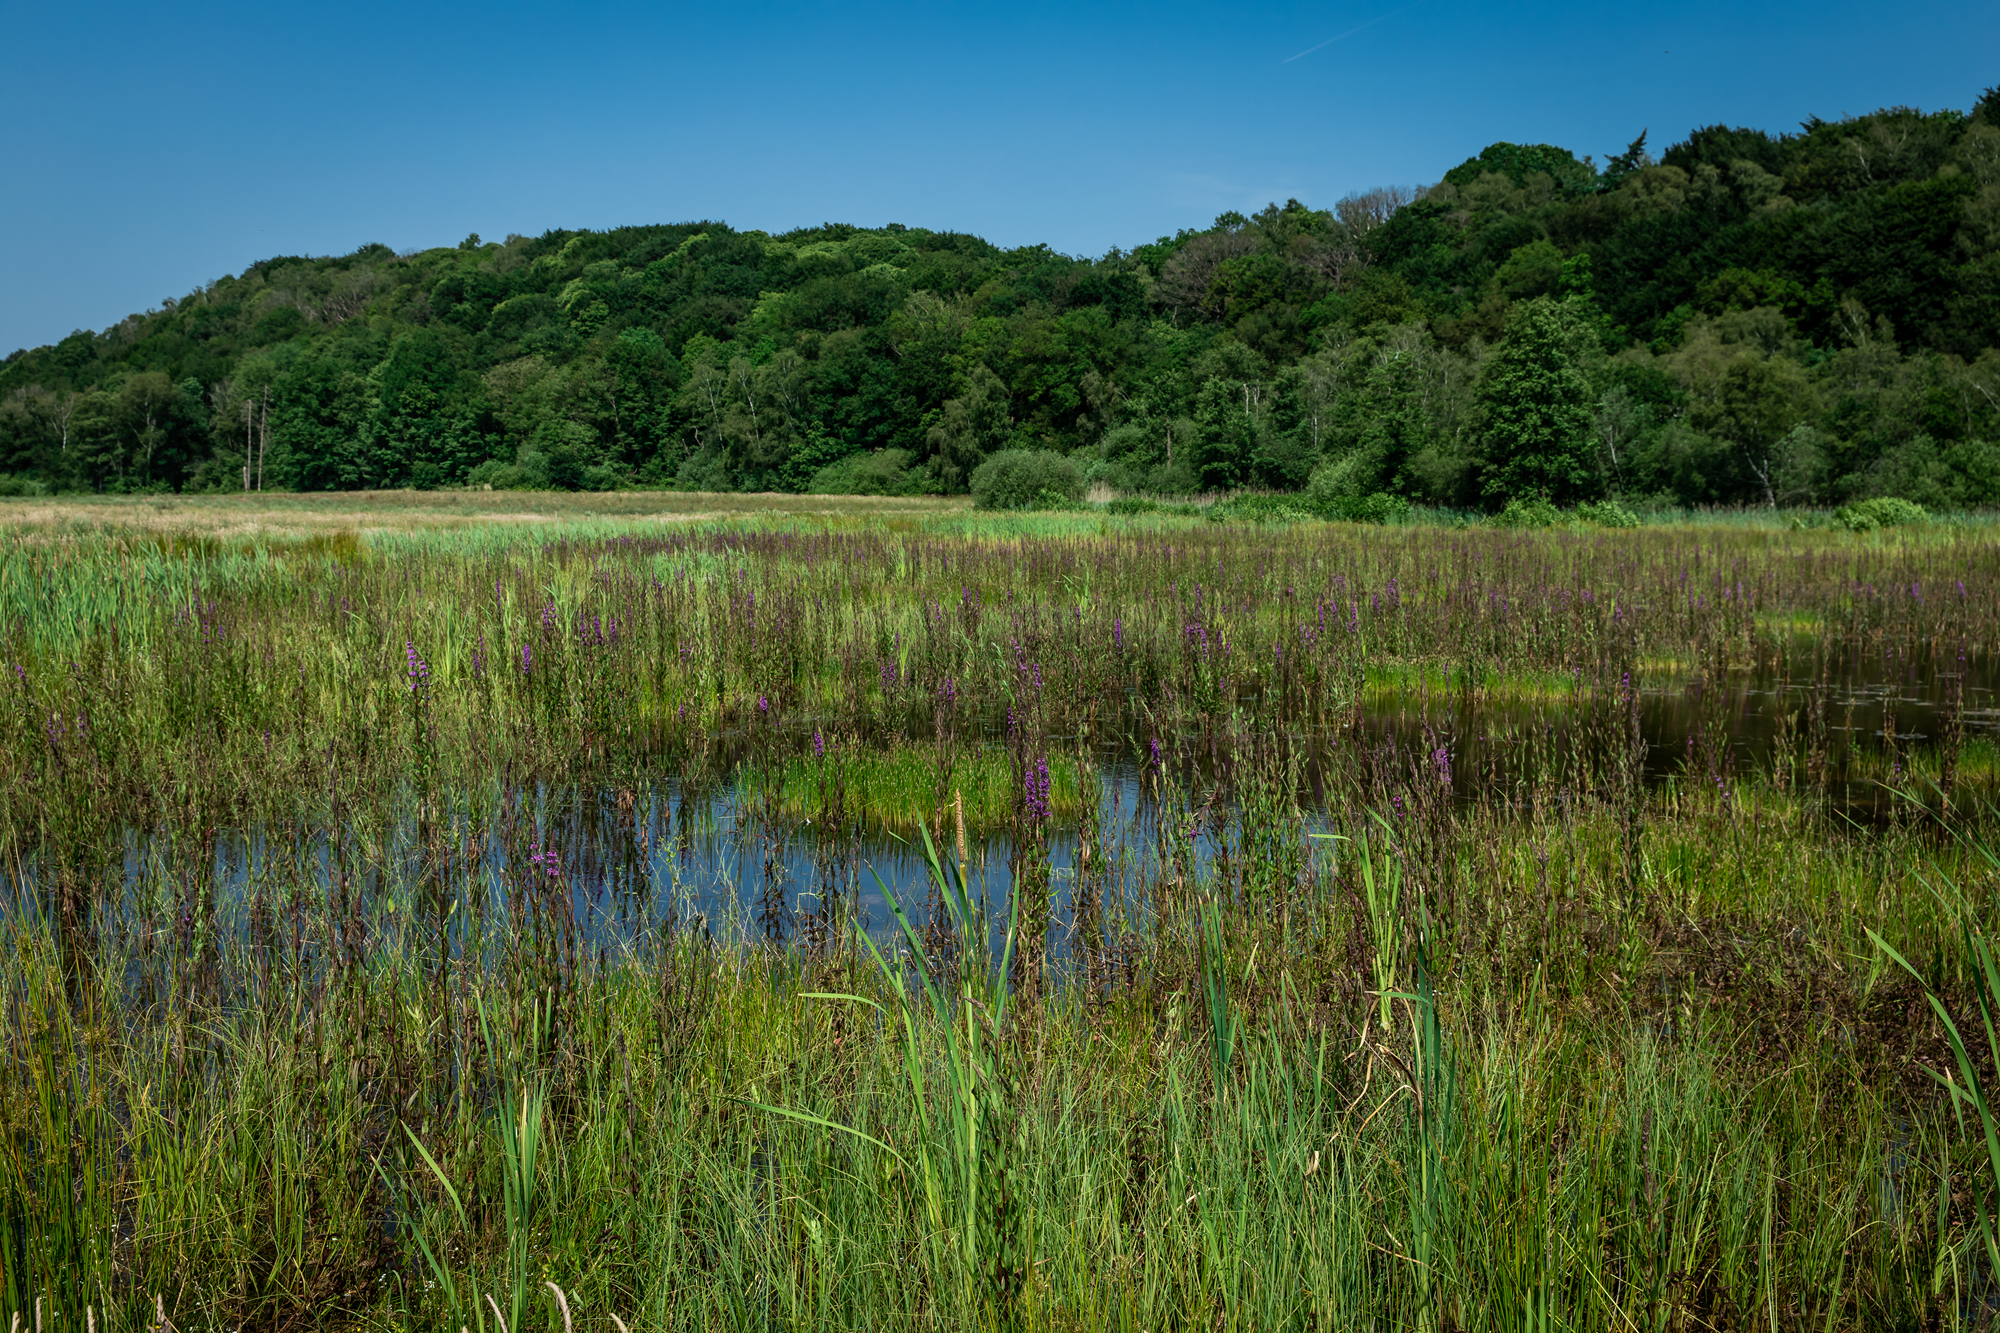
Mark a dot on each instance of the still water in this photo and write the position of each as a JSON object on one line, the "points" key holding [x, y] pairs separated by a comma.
{"points": [[628, 862]]}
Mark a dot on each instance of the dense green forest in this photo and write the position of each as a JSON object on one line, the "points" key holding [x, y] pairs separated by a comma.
{"points": [[1747, 318]]}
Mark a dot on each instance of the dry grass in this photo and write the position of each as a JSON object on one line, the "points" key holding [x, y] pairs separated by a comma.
{"points": [[276, 513]]}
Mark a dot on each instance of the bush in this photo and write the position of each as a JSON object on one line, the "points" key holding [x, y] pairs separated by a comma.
{"points": [[1884, 511], [1132, 504], [1607, 514], [1534, 513], [704, 472], [1026, 479], [22, 486], [885, 472], [1260, 509], [498, 476], [1380, 507], [599, 477]]}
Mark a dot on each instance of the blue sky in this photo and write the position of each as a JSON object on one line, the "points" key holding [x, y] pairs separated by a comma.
{"points": [[149, 149]]}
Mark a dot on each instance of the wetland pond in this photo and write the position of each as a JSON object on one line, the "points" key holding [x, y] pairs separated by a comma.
{"points": [[638, 856]]}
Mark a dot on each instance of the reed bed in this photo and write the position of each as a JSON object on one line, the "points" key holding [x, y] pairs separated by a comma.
{"points": [[1370, 956]]}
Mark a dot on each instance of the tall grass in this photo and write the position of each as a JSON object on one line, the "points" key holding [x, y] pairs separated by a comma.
{"points": [[1418, 990]]}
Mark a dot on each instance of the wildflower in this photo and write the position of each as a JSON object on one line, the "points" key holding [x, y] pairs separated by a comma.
{"points": [[763, 704], [1035, 797], [819, 744], [419, 673], [527, 660]]}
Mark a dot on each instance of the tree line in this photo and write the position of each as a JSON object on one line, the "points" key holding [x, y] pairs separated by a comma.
{"points": [[1748, 317]]}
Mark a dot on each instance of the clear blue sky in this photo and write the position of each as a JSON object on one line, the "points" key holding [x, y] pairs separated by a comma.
{"points": [[151, 148]]}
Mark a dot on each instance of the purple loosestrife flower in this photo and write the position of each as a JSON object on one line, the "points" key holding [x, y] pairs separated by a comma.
{"points": [[1441, 761], [527, 660], [819, 744], [1035, 799], [763, 705], [1118, 633], [419, 673], [1159, 760]]}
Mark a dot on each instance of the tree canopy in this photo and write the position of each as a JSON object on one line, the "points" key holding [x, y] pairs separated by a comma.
{"points": [[1749, 317]]}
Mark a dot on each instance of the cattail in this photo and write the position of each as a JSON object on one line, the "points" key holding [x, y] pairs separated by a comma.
{"points": [[958, 819]]}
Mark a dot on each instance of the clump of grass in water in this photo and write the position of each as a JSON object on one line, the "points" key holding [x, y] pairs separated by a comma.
{"points": [[898, 790]]}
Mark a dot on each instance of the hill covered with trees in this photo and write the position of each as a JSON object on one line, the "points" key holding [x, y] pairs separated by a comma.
{"points": [[1747, 318]]}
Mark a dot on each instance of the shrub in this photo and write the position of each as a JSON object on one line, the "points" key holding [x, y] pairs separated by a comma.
{"points": [[884, 472], [498, 476], [1607, 514], [1026, 479], [599, 477], [22, 486], [1131, 504], [704, 472], [1380, 507], [1532, 513], [1261, 509], [1885, 511]]}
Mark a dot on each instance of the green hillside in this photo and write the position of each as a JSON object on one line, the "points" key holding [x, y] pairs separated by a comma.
{"points": [[1748, 318]]}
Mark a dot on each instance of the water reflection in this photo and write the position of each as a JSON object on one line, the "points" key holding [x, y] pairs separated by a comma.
{"points": [[629, 862]]}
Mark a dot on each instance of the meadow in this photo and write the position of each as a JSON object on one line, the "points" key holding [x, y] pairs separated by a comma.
{"points": [[499, 912]]}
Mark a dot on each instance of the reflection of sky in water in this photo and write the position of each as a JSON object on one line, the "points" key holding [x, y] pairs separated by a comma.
{"points": [[704, 860]]}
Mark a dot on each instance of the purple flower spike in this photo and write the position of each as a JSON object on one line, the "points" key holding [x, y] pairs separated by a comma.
{"points": [[1035, 799]]}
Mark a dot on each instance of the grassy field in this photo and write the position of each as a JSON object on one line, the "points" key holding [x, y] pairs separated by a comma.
{"points": [[1419, 927]]}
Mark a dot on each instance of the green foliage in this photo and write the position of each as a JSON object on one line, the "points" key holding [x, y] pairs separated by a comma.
{"points": [[1882, 512], [887, 472], [1606, 514], [1537, 416], [1790, 319], [1376, 507], [1534, 512], [1259, 508], [1026, 479]]}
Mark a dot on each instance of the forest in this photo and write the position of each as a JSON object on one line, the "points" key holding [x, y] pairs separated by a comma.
{"points": [[1746, 318]]}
